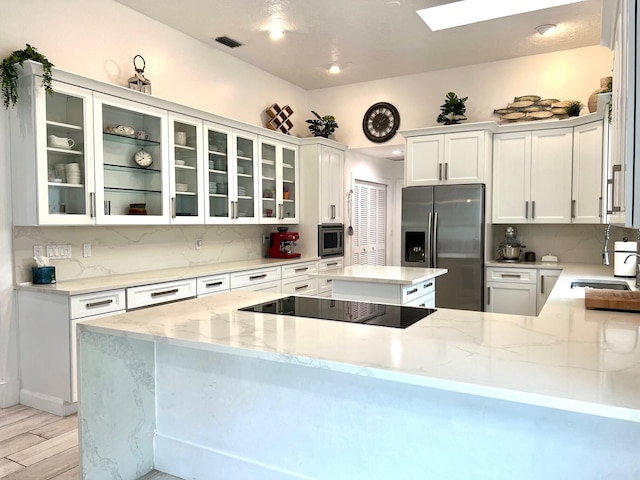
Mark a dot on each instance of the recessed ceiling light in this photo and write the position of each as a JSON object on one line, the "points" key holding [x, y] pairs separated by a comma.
{"points": [[546, 28], [276, 33], [472, 11], [334, 69]]}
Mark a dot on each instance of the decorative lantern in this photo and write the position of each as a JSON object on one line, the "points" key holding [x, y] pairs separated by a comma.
{"points": [[138, 81]]}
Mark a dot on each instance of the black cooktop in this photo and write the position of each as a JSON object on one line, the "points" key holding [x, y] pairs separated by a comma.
{"points": [[343, 311]]}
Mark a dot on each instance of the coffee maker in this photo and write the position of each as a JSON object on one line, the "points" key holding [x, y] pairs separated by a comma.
{"points": [[281, 244]]}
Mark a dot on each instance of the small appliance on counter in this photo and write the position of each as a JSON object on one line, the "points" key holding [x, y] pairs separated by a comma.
{"points": [[622, 250], [281, 244], [510, 248]]}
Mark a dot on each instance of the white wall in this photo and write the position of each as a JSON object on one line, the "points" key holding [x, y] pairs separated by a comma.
{"points": [[571, 74]]}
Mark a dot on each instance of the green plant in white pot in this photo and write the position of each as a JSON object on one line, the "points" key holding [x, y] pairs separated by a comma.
{"points": [[9, 74], [322, 126], [452, 110]]}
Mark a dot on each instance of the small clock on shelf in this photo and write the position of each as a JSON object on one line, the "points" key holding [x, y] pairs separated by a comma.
{"points": [[143, 159], [381, 122]]}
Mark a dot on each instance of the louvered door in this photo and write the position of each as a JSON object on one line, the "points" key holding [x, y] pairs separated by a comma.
{"points": [[369, 226]]}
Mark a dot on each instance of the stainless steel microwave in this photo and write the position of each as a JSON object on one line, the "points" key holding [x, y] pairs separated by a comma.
{"points": [[330, 240]]}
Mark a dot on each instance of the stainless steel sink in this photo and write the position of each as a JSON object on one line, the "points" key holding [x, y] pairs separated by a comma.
{"points": [[598, 283]]}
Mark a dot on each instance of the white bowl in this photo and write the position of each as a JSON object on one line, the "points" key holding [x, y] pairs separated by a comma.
{"points": [[181, 187], [180, 162]]}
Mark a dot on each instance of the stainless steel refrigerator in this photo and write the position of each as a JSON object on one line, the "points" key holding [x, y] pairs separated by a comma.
{"points": [[443, 227]]}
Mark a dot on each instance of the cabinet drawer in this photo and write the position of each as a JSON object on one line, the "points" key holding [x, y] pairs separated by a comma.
{"points": [[275, 286], [253, 277], [325, 286], [298, 269], [300, 286], [425, 301], [212, 284], [326, 263], [518, 275], [98, 303], [412, 292], [148, 295]]}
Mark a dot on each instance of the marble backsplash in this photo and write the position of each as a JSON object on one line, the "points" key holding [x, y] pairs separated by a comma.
{"points": [[117, 250], [570, 243]]}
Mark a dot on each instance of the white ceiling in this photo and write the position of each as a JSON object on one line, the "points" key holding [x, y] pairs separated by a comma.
{"points": [[372, 39]]}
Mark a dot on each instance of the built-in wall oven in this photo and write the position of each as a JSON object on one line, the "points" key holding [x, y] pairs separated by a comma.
{"points": [[331, 240]]}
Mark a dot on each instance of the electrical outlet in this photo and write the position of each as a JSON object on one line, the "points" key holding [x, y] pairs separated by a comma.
{"points": [[86, 249], [38, 251], [198, 244], [265, 240]]}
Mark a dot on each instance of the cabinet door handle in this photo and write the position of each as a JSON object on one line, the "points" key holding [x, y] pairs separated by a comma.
{"points": [[212, 284], [533, 210], [526, 210], [411, 292], [422, 305], [612, 181], [427, 285], [439, 171], [488, 295], [302, 269], [600, 208], [446, 171], [103, 303], [258, 277], [542, 284], [173, 207], [302, 287], [573, 209], [332, 264], [330, 280], [164, 293], [333, 212], [92, 204]]}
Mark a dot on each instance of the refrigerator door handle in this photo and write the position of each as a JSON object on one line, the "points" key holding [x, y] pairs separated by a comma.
{"points": [[428, 245], [435, 240]]}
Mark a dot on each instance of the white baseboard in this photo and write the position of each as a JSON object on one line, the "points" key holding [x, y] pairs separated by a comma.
{"points": [[9, 393], [46, 403], [188, 460]]}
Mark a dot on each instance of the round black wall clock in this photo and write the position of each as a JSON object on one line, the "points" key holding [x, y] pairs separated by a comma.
{"points": [[381, 122]]}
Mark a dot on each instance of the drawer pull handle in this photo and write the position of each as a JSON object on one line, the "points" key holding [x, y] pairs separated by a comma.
{"points": [[427, 285], [302, 269], [411, 292], [166, 292], [103, 303], [509, 275], [302, 287], [329, 281], [212, 284], [332, 264], [258, 277], [422, 305]]}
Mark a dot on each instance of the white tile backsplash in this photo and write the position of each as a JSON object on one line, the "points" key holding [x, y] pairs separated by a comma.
{"points": [[570, 243], [117, 250]]}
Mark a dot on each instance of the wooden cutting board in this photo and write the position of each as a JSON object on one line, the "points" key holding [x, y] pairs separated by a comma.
{"points": [[612, 299]]}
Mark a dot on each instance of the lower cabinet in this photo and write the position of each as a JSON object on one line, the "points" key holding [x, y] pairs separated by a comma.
{"points": [[425, 296], [546, 281], [325, 285], [297, 279], [148, 295], [511, 290], [258, 280], [212, 284]]}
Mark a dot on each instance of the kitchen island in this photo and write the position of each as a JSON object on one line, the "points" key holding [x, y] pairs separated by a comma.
{"points": [[199, 389], [385, 284]]}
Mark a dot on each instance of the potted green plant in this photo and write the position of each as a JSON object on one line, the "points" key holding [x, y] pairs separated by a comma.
{"points": [[573, 108], [452, 110], [322, 126], [9, 74]]}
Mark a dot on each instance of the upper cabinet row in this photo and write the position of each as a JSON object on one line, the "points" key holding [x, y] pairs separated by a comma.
{"points": [[82, 157]]}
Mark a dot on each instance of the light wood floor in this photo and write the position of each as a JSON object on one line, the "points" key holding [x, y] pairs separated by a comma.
{"points": [[35, 445]]}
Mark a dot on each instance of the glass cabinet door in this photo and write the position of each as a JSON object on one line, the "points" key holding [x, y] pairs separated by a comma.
{"points": [[269, 181], [289, 184], [131, 162], [246, 170], [218, 147], [67, 160], [278, 182], [185, 137]]}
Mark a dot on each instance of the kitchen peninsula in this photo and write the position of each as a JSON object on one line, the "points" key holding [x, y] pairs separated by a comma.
{"points": [[199, 389], [386, 284]]}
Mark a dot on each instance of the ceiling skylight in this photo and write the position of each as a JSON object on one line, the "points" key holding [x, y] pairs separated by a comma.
{"points": [[472, 11]]}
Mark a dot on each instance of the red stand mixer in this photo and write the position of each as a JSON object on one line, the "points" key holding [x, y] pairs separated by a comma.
{"points": [[281, 244]]}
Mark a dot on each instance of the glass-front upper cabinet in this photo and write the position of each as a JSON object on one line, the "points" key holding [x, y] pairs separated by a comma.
{"points": [[132, 174], [187, 178], [230, 181], [278, 182], [58, 129]]}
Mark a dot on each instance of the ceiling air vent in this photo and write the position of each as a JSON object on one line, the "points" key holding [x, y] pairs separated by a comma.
{"points": [[229, 42]]}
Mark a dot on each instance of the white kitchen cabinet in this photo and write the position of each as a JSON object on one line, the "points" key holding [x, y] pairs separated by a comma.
{"points": [[586, 191], [532, 176], [186, 158], [298, 279], [331, 182], [41, 193], [47, 343], [325, 285], [279, 182], [511, 290], [546, 280], [212, 284], [157, 293], [259, 279], [232, 180], [127, 193], [447, 158]]}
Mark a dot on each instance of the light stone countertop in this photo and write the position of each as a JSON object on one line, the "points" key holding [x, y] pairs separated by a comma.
{"points": [[382, 274], [99, 284], [567, 358]]}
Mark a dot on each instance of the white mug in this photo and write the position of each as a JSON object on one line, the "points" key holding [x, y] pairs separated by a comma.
{"points": [[181, 138], [142, 135], [60, 142]]}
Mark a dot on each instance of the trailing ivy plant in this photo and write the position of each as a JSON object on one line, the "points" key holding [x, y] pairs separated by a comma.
{"points": [[9, 74]]}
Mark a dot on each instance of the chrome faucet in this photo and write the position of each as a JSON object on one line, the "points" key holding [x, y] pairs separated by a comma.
{"points": [[637, 267], [605, 251]]}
